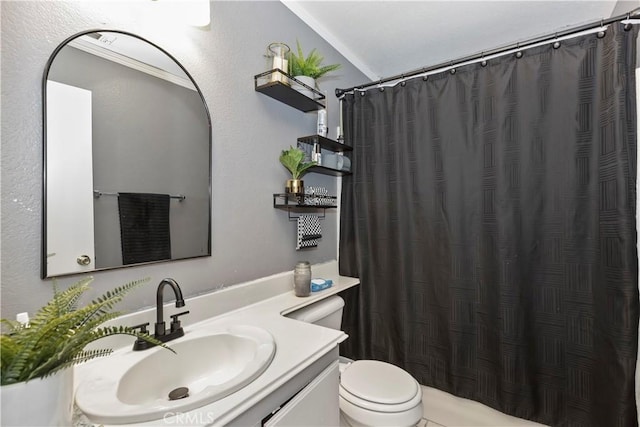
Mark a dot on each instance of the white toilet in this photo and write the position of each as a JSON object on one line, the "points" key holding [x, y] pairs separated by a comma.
{"points": [[372, 393]]}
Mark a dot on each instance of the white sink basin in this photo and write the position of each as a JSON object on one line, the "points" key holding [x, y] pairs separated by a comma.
{"points": [[131, 387]]}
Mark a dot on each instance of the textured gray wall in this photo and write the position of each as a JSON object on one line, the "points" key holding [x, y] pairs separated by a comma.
{"points": [[250, 238]]}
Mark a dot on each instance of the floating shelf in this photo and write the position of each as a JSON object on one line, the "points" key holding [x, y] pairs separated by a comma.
{"points": [[326, 143], [283, 92], [306, 201], [328, 171]]}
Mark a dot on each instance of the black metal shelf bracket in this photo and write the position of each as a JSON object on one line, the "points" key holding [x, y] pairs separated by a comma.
{"points": [[296, 203], [295, 217], [280, 88]]}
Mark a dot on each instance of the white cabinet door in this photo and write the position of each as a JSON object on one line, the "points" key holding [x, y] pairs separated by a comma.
{"points": [[315, 405], [69, 178]]}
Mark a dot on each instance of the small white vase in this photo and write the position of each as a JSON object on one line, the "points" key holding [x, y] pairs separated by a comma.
{"points": [[309, 81], [39, 402]]}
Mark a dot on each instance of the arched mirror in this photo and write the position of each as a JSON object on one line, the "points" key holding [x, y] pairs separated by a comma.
{"points": [[127, 157]]}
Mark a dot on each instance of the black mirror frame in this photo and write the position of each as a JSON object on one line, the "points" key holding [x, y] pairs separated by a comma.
{"points": [[43, 231]]}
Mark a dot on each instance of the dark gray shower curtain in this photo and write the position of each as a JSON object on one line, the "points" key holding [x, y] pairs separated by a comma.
{"points": [[491, 220]]}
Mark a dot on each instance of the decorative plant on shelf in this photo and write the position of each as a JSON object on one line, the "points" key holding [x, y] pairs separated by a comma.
{"points": [[57, 334], [293, 160], [308, 69], [310, 65]]}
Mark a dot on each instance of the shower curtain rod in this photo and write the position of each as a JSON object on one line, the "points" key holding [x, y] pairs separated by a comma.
{"points": [[632, 15]]}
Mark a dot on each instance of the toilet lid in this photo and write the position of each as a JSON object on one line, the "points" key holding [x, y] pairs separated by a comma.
{"points": [[379, 382]]}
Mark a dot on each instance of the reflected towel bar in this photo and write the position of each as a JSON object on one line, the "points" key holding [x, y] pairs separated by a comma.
{"points": [[97, 195]]}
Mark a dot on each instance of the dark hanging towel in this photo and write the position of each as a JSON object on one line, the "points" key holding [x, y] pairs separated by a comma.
{"points": [[144, 227], [309, 231]]}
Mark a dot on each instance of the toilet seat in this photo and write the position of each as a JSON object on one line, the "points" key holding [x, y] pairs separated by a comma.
{"points": [[379, 387], [380, 407]]}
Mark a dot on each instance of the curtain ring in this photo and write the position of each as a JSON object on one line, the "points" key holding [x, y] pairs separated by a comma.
{"points": [[556, 44], [380, 87], [519, 52], [483, 63], [602, 32], [628, 26], [452, 70]]}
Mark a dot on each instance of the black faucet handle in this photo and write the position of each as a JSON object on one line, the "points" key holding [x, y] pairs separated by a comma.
{"points": [[175, 323], [141, 344], [142, 327], [174, 317]]}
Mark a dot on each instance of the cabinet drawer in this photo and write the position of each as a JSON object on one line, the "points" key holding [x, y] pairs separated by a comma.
{"points": [[315, 405]]}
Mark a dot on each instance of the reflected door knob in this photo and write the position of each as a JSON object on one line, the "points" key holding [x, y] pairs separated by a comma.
{"points": [[84, 260]]}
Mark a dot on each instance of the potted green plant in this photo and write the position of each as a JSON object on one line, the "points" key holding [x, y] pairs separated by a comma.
{"points": [[293, 160], [35, 358], [307, 69]]}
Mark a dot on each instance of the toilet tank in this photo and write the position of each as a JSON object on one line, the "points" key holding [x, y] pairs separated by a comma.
{"points": [[326, 312]]}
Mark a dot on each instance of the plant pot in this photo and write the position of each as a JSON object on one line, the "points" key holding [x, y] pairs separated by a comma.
{"points": [[309, 81], [295, 186], [39, 402]]}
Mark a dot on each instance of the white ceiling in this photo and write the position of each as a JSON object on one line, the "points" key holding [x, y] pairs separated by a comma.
{"points": [[385, 38]]}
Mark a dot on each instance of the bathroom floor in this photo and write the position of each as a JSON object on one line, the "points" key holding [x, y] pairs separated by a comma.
{"points": [[426, 423], [442, 409]]}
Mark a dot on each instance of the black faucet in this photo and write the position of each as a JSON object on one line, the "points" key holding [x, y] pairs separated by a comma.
{"points": [[161, 333]]}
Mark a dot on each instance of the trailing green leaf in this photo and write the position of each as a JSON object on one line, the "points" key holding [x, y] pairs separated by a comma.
{"points": [[292, 159], [59, 331]]}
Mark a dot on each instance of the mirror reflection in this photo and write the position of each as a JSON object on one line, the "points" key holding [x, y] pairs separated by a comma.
{"points": [[127, 157]]}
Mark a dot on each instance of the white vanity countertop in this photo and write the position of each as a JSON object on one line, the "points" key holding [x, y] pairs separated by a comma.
{"points": [[298, 344]]}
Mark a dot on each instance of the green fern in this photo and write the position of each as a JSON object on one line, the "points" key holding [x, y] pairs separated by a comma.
{"points": [[58, 333], [299, 65]]}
